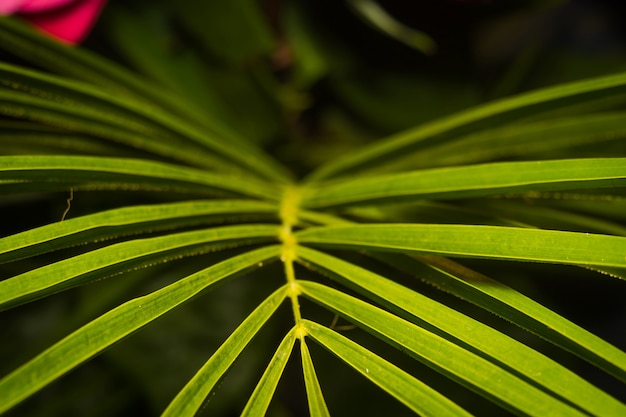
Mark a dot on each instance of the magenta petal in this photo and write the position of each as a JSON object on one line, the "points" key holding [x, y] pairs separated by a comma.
{"points": [[32, 6], [69, 23], [11, 6]]}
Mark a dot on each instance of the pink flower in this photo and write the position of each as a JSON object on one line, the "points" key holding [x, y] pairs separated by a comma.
{"points": [[67, 20]]}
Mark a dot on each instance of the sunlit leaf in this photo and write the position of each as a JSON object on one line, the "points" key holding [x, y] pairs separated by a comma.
{"points": [[122, 257], [471, 181], [118, 323], [453, 361], [191, 397], [260, 399], [494, 242]]}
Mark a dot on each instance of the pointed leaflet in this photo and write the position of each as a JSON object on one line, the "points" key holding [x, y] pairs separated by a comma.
{"points": [[315, 398], [122, 257], [21, 40], [189, 400], [118, 323], [127, 221], [461, 365], [87, 121], [60, 96], [491, 242], [490, 114], [36, 173], [513, 306], [521, 140], [260, 399], [413, 393], [475, 336], [470, 181]]}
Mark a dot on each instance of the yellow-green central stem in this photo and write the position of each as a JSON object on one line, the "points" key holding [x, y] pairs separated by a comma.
{"points": [[288, 216]]}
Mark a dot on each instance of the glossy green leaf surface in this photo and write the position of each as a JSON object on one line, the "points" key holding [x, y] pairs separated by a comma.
{"points": [[126, 221], [477, 337], [260, 399], [416, 395], [517, 308], [122, 257], [117, 324], [191, 397], [472, 181], [450, 359], [497, 112], [201, 142], [315, 398], [508, 243], [31, 173], [50, 98]]}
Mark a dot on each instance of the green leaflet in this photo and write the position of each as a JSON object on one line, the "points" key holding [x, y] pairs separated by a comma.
{"points": [[89, 122], [55, 99], [262, 395], [315, 398], [34, 173], [493, 242], [189, 400], [123, 257], [118, 323], [453, 361], [487, 115], [23, 138], [505, 302], [481, 339], [545, 217], [81, 64], [127, 221], [470, 181], [376, 16], [521, 140], [410, 391]]}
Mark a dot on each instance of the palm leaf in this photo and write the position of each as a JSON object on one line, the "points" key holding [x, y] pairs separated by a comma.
{"points": [[189, 400], [260, 399], [459, 364], [127, 221], [491, 114], [117, 324], [509, 243], [471, 181], [125, 256], [416, 395], [33, 173], [317, 405], [479, 338]]}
